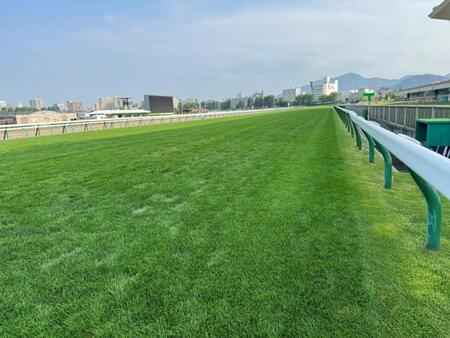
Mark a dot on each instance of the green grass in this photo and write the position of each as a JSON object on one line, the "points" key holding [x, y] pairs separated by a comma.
{"points": [[267, 225]]}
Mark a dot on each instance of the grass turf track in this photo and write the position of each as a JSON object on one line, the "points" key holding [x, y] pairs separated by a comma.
{"points": [[266, 225]]}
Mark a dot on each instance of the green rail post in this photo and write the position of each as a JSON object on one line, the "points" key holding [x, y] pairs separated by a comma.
{"points": [[387, 165], [350, 122], [358, 136], [64, 129], [25, 131], [371, 147], [86, 128], [38, 132], [434, 212], [5, 134], [345, 119]]}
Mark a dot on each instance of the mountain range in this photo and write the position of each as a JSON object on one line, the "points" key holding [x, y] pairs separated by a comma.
{"points": [[355, 81]]}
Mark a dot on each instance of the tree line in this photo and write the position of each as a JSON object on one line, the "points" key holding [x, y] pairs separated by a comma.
{"points": [[26, 110], [259, 102]]}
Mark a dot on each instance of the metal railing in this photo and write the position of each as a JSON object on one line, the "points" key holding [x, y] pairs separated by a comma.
{"points": [[401, 118], [430, 170], [9, 132]]}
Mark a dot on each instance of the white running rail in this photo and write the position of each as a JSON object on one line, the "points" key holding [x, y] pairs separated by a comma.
{"points": [[431, 166]]}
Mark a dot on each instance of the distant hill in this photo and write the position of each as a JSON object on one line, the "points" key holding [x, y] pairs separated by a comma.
{"points": [[355, 81], [418, 80]]}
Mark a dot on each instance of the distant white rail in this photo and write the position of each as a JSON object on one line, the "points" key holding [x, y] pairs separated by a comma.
{"points": [[16, 131]]}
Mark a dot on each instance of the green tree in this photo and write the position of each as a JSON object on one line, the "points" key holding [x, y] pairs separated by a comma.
{"points": [[213, 105], [282, 102], [240, 105], [308, 99], [225, 105], [333, 97], [304, 100], [323, 98], [250, 103], [269, 101], [259, 102]]}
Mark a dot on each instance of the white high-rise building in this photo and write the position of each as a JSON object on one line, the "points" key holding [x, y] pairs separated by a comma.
{"points": [[2, 104], [290, 94], [326, 88], [37, 104]]}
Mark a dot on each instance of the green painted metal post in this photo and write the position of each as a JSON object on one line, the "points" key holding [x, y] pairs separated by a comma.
{"points": [[25, 131], [64, 129], [371, 147], [350, 122], [38, 132], [86, 128], [434, 215], [346, 122], [387, 165], [5, 134], [358, 136]]}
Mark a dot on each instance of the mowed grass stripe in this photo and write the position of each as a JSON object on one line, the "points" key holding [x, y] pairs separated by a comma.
{"points": [[270, 225]]}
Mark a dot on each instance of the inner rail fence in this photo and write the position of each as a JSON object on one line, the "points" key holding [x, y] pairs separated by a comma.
{"points": [[401, 118], [16, 131], [430, 170]]}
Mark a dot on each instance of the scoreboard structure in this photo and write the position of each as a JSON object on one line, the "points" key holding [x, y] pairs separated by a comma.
{"points": [[160, 104]]}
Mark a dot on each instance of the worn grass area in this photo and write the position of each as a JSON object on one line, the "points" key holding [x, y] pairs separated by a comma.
{"points": [[259, 226]]}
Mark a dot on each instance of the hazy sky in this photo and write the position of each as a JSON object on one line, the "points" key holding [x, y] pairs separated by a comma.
{"points": [[59, 50]]}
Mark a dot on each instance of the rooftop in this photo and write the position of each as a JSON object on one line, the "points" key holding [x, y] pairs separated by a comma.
{"points": [[434, 85], [120, 112], [442, 11]]}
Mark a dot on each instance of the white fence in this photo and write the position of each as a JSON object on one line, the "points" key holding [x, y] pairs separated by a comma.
{"points": [[9, 132]]}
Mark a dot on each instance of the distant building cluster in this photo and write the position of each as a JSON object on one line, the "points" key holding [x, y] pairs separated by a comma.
{"points": [[240, 101], [326, 88], [109, 103], [290, 94], [37, 104], [117, 107], [75, 106]]}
